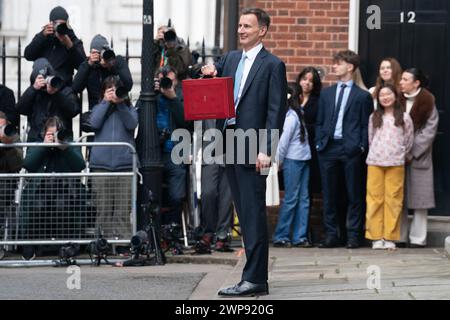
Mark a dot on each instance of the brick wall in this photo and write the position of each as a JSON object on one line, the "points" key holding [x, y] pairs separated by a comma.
{"points": [[305, 32]]}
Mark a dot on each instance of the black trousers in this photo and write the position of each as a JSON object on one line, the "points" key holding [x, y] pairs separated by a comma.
{"points": [[248, 188], [335, 163], [216, 213]]}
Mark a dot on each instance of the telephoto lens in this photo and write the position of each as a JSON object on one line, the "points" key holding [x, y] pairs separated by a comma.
{"points": [[121, 93], [10, 131], [108, 55], [55, 82], [166, 83], [63, 136], [62, 29], [138, 241], [170, 36]]}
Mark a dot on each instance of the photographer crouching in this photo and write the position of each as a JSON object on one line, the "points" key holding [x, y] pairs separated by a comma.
{"points": [[47, 208], [48, 96]]}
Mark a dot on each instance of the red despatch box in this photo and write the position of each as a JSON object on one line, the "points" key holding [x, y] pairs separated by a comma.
{"points": [[208, 99]]}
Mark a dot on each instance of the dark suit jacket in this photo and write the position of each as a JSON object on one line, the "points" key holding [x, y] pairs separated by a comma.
{"points": [[355, 124], [263, 103]]}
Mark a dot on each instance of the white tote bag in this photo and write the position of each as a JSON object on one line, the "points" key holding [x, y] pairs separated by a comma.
{"points": [[273, 188]]}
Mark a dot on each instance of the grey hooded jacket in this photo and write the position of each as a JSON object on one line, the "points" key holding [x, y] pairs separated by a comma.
{"points": [[113, 123]]}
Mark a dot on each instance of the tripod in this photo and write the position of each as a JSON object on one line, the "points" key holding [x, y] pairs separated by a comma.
{"points": [[147, 241]]}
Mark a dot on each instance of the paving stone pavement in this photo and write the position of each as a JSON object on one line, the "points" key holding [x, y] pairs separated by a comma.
{"points": [[341, 274]]}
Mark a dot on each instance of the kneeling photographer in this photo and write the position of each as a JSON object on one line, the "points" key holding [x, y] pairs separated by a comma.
{"points": [[47, 203], [170, 117], [113, 120], [47, 96]]}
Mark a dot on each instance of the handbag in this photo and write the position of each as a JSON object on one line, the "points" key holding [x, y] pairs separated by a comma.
{"points": [[273, 187]]}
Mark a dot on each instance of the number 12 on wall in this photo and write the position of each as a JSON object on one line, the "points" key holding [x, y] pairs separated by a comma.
{"points": [[411, 16]]}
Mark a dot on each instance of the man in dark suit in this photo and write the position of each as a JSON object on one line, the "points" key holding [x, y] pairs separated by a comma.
{"points": [[341, 141], [260, 92]]}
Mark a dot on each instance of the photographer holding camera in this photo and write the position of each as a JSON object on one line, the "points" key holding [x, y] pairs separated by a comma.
{"points": [[169, 117], [101, 64], [58, 44], [48, 96], [171, 51], [113, 120], [46, 200]]}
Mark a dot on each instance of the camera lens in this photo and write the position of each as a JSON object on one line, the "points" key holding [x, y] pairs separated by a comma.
{"points": [[63, 135], [10, 130], [56, 82], [170, 36], [108, 55], [166, 83], [122, 93], [62, 29]]}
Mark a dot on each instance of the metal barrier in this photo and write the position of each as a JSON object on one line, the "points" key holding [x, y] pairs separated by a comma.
{"points": [[57, 208]]}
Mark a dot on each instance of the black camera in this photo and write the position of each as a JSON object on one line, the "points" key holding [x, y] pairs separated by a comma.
{"points": [[139, 243], [170, 36], [63, 136], [107, 54], [54, 81], [99, 247], [69, 251], [10, 131], [62, 29], [122, 93], [172, 232], [165, 83]]}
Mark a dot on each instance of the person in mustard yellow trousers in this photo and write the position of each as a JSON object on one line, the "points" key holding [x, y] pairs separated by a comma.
{"points": [[391, 135]]}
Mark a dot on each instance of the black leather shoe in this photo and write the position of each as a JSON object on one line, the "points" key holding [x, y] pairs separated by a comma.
{"points": [[352, 244], [245, 289], [329, 243]]}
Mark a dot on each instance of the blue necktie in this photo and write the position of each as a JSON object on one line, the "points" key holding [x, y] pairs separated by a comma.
{"points": [[338, 108], [238, 78]]}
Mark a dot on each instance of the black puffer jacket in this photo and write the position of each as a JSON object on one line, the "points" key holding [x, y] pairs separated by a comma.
{"points": [[63, 60], [38, 105]]}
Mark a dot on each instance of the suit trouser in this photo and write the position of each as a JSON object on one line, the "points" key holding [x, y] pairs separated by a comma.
{"points": [[331, 160], [248, 188], [385, 192], [217, 214]]}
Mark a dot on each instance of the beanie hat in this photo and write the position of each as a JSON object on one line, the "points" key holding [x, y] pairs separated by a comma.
{"points": [[99, 42], [59, 13]]}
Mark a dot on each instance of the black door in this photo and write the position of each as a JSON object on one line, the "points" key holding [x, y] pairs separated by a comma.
{"points": [[416, 32]]}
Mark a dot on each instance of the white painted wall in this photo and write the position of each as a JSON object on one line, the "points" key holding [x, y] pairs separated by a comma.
{"points": [[117, 19]]}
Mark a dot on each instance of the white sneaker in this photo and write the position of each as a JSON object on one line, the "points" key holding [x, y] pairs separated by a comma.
{"points": [[389, 245], [378, 245]]}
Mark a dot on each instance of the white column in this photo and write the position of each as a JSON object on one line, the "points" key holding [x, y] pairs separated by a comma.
{"points": [[353, 28]]}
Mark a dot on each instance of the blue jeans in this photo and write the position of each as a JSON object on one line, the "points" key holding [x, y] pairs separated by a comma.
{"points": [[294, 213]]}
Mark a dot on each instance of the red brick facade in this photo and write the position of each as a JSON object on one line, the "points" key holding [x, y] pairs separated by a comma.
{"points": [[305, 32]]}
